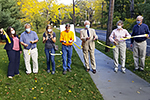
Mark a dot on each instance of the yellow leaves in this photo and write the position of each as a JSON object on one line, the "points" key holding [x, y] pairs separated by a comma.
{"points": [[19, 3]]}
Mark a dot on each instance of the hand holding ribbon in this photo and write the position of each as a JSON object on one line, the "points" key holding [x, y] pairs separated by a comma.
{"points": [[7, 37]]}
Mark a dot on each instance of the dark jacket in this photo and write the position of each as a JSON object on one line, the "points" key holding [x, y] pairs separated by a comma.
{"points": [[140, 30], [8, 45]]}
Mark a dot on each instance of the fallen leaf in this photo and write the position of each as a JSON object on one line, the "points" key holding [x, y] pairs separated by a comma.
{"points": [[109, 80], [138, 92], [69, 91], [42, 91]]}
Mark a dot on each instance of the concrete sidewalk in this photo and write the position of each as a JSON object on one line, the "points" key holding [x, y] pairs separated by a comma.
{"points": [[116, 86]]}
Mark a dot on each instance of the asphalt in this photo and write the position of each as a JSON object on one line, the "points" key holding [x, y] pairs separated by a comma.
{"points": [[116, 86]]}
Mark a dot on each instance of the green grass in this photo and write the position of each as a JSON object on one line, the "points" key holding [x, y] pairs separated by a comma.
{"points": [[75, 85], [129, 61]]}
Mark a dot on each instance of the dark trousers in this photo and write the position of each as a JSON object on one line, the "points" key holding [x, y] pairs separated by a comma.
{"points": [[14, 62]]}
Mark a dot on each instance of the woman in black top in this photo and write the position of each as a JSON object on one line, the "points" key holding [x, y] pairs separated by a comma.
{"points": [[49, 38]]}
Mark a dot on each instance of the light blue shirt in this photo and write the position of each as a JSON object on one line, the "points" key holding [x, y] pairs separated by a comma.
{"points": [[26, 38]]}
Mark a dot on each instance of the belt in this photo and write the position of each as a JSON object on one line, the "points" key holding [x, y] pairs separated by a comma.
{"points": [[31, 49], [140, 41], [67, 45]]}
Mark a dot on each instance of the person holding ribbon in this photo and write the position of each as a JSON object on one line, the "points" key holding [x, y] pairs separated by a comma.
{"points": [[88, 35], [139, 43], [67, 39], [116, 37], [13, 50], [49, 38], [29, 39]]}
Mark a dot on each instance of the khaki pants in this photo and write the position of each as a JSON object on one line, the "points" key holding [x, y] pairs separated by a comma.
{"points": [[120, 48], [139, 52], [92, 58], [34, 56]]}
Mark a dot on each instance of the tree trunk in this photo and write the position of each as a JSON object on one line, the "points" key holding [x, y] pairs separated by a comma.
{"points": [[132, 8], [73, 13], [109, 24], [102, 13]]}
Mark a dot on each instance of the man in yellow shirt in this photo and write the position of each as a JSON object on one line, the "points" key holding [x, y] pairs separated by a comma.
{"points": [[67, 39]]}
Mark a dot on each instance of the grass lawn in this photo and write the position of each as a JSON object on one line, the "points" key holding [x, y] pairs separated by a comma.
{"points": [[75, 85], [129, 61]]}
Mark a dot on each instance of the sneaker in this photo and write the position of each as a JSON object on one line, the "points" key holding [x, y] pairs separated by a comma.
{"points": [[53, 72], [94, 71], [10, 77], [69, 70], [141, 69], [116, 70], [123, 71], [64, 72], [136, 69], [48, 71]]}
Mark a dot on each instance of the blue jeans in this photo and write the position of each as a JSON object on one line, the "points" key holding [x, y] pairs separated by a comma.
{"points": [[67, 53], [50, 57]]}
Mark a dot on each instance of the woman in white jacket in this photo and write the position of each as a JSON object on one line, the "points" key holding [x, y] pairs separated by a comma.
{"points": [[116, 37]]}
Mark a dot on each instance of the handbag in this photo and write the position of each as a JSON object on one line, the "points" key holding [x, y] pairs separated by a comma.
{"points": [[55, 47]]}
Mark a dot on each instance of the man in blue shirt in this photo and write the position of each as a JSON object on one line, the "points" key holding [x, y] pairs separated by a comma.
{"points": [[139, 44], [29, 39]]}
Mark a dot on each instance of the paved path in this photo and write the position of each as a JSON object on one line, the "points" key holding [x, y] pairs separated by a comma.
{"points": [[116, 86]]}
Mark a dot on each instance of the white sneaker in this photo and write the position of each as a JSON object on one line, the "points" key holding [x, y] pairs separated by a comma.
{"points": [[10, 77], [123, 70], [116, 70]]}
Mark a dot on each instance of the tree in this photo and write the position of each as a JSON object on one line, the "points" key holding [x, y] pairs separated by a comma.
{"points": [[10, 15], [146, 12], [109, 25]]}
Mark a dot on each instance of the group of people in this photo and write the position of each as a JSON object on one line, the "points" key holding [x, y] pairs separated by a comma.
{"points": [[139, 44], [29, 40], [88, 36]]}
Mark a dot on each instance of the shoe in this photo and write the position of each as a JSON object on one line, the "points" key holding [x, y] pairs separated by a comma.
{"points": [[94, 71], [136, 69], [64, 72], [10, 77], [48, 71], [36, 73], [69, 70], [141, 69], [116, 70], [123, 71], [28, 73], [87, 70], [53, 72]]}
